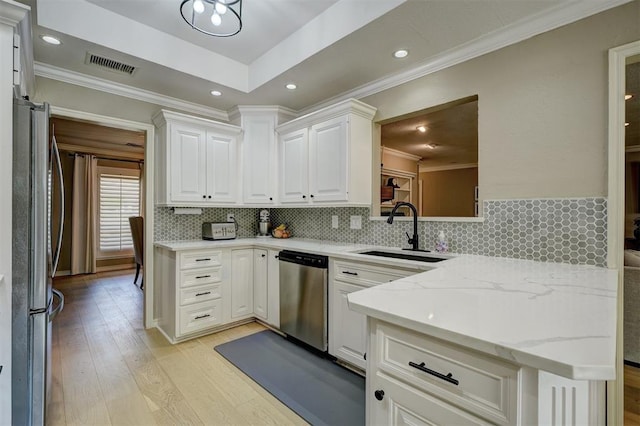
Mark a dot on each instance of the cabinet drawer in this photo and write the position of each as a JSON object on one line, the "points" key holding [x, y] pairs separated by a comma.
{"points": [[190, 278], [404, 405], [203, 293], [200, 259], [368, 275], [475, 381], [200, 316]]}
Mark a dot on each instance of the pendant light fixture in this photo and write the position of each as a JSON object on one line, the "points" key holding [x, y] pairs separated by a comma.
{"points": [[219, 18]]}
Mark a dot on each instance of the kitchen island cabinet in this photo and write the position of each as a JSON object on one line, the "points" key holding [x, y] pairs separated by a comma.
{"points": [[547, 328]]}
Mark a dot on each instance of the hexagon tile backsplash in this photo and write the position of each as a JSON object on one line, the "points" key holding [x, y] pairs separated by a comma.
{"points": [[553, 230]]}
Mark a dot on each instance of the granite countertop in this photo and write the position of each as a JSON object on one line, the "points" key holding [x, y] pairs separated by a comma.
{"points": [[555, 317]]}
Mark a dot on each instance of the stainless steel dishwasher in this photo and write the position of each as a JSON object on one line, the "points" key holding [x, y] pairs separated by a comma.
{"points": [[303, 297]]}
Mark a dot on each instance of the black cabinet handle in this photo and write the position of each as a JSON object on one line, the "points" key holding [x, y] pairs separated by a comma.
{"points": [[270, 198], [204, 196], [203, 260], [203, 276], [202, 316], [209, 196], [276, 256], [379, 394], [202, 294], [304, 196], [447, 378], [350, 273], [365, 356], [263, 255], [311, 195]]}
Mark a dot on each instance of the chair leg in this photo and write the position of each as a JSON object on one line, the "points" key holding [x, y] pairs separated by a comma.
{"points": [[142, 283], [135, 280]]}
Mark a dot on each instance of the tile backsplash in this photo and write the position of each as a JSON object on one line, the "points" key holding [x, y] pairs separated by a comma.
{"points": [[554, 230]]}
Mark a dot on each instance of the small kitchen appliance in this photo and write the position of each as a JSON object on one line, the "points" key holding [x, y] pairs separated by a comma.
{"points": [[264, 224], [218, 231]]}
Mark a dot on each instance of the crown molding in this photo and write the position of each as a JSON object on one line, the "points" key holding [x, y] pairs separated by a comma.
{"points": [[550, 19], [102, 85], [400, 154], [426, 169], [12, 12]]}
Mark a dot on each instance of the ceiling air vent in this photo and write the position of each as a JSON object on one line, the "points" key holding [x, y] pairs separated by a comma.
{"points": [[109, 64]]}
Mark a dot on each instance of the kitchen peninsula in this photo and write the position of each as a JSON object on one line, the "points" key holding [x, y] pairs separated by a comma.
{"points": [[527, 342]]}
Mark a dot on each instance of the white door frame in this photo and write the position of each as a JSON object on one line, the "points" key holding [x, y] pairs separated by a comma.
{"points": [[615, 206], [149, 153]]}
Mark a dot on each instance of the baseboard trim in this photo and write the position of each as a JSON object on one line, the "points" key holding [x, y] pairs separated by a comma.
{"points": [[632, 363], [115, 267], [63, 273]]}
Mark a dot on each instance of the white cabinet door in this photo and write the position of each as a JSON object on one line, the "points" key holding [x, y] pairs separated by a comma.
{"points": [[259, 160], [294, 173], [347, 329], [328, 159], [391, 402], [273, 289], [221, 167], [241, 283], [188, 164], [260, 289]]}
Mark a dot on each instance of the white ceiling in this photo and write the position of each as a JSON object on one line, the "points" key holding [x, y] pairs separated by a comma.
{"points": [[329, 48]]}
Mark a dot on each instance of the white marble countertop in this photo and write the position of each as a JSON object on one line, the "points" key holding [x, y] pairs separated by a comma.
{"points": [[555, 317], [347, 251]]}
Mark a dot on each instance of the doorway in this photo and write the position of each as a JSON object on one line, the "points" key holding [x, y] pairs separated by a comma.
{"points": [[145, 181], [619, 58]]}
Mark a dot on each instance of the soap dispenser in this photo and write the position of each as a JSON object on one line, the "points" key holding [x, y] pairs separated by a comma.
{"points": [[441, 244]]}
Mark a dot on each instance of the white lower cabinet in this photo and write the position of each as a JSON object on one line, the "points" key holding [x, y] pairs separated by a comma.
{"points": [[348, 329], [189, 291], [417, 379], [241, 283], [260, 277], [401, 404]]}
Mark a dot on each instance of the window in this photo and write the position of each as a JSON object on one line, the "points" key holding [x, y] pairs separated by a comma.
{"points": [[119, 199]]}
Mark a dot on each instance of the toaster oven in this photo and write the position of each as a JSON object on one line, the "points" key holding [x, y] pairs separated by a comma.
{"points": [[218, 231]]}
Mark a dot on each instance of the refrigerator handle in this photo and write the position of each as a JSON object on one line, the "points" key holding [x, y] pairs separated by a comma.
{"points": [[56, 255], [55, 311]]}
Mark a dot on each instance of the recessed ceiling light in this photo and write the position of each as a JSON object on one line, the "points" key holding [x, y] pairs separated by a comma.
{"points": [[216, 93], [50, 39], [291, 86], [627, 97], [626, 124], [402, 53], [421, 129]]}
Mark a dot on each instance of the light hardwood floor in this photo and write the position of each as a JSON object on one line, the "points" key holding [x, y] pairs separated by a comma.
{"points": [[108, 370]]}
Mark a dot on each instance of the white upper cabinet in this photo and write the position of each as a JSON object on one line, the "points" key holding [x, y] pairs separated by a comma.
{"points": [[188, 166], [294, 166], [326, 156], [196, 161]]}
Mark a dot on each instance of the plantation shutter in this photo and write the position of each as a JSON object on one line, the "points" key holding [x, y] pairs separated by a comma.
{"points": [[119, 200]]}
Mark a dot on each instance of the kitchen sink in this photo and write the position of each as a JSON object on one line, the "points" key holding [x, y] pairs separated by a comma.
{"points": [[405, 256]]}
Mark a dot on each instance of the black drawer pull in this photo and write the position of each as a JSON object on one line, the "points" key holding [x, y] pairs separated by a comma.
{"points": [[203, 294], [448, 378], [203, 260], [203, 276], [202, 316], [350, 273]]}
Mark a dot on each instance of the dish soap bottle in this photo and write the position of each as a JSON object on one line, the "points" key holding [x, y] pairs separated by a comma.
{"points": [[441, 244]]}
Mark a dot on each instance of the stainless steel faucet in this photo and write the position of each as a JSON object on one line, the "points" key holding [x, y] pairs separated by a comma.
{"points": [[411, 240]]}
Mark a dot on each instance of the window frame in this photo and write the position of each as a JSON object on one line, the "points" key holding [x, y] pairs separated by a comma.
{"points": [[114, 171]]}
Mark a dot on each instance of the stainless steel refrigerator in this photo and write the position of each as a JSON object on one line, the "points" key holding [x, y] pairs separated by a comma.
{"points": [[36, 250]]}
